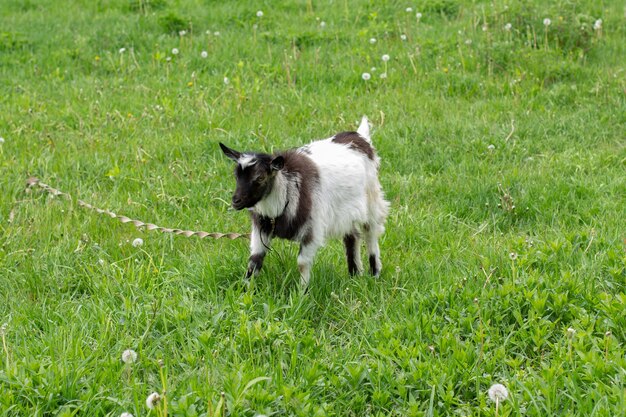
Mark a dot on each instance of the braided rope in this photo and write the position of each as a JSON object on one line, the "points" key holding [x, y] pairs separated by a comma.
{"points": [[33, 181]]}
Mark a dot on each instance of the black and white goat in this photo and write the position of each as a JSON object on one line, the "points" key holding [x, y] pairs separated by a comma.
{"points": [[328, 188]]}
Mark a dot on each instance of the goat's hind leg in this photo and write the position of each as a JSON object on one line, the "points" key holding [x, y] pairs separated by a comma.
{"points": [[372, 232], [353, 252]]}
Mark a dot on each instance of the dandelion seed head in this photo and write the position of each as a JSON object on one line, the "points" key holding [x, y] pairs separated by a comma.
{"points": [[409, 10], [126, 414], [571, 332], [372, 41], [498, 392], [259, 13], [122, 50], [153, 400], [322, 24], [468, 42], [175, 51], [597, 25], [366, 76], [226, 80], [182, 33], [547, 22], [512, 256], [418, 15], [385, 58], [204, 54], [1, 140], [508, 27], [608, 333], [137, 242], [403, 37], [383, 75], [485, 27], [129, 356], [216, 34], [101, 262], [491, 147]]}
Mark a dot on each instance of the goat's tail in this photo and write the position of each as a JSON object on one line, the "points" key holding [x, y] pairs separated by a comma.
{"points": [[364, 129]]}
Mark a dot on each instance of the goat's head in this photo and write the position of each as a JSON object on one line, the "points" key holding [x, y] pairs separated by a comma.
{"points": [[255, 174]]}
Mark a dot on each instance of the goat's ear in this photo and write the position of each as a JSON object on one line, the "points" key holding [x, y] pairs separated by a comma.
{"points": [[278, 163], [231, 153]]}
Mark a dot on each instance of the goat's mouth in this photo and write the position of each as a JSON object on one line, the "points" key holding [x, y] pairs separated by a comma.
{"points": [[240, 205]]}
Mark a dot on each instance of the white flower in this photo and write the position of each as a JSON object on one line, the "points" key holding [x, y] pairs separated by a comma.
{"points": [[216, 34], [372, 41], [418, 15], [409, 10], [101, 262], [498, 392], [373, 69], [383, 75], [403, 37], [153, 400], [138, 242], [512, 256], [208, 32], [491, 147], [485, 27], [204, 54], [168, 59], [547, 22], [571, 332], [259, 13], [175, 51], [468, 42], [597, 25], [1, 140], [125, 414], [182, 32], [129, 356], [226, 80], [508, 27], [122, 50], [322, 24], [385, 58], [366, 76]]}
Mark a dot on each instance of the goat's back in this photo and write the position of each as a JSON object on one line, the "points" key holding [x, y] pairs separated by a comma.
{"points": [[345, 176]]}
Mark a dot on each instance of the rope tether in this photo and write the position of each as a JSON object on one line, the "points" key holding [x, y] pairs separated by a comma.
{"points": [[33, 181]]}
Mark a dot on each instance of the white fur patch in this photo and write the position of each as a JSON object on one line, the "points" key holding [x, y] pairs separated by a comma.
{"points": [[246, 160]]}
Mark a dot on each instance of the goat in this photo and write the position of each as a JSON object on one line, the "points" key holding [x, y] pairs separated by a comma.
{"points": [[326, 189]]}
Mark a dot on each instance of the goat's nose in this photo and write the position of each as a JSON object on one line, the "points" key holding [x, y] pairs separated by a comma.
{"points": [[236, 200]]}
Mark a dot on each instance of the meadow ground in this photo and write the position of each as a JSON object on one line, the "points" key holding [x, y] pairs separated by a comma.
{"points": [[502, 137]]}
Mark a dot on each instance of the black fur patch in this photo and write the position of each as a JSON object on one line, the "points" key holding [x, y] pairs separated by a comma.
{"points": [[350, 242], [355, 142], [301, 171], [255, 264], [373, 268]]}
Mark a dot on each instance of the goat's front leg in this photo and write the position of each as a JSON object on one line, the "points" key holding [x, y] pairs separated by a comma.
{"points": [[305, 261], [259, 244]]}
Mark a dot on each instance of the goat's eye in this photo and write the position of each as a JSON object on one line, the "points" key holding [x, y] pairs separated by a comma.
{"points": [[259, 180]]}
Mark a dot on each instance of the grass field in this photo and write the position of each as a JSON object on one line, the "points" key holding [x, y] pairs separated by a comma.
{"points": [[503, 145]]}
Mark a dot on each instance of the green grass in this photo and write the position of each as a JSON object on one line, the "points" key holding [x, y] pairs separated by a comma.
{"points": [[468, 124]]}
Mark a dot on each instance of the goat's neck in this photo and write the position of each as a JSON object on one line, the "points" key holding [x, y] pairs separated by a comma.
{"points": [[275, 203]]}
